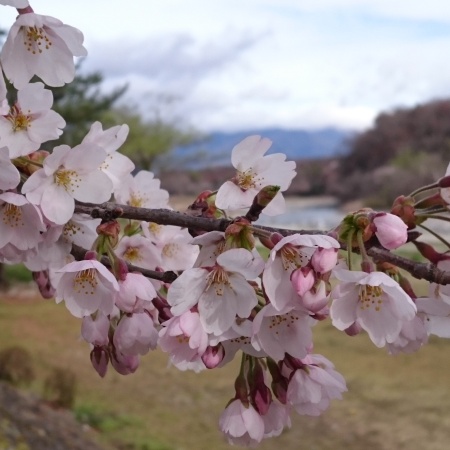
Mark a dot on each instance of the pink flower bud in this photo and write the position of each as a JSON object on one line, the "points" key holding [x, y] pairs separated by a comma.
{"points": [[95, 331], [390, 230], [99, 360], [213, 356], [124, 364], [324, 259], [316, 299], [135, 334], [354, 329], [302, 280], [44, 284]]}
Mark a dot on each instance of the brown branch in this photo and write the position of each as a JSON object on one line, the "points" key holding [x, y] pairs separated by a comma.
{"points": [[109, 210], [425, 271], [165, 277]]}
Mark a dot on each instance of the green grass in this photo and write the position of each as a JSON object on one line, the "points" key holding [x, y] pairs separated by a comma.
{"points": [[397, 402], [17, 273]]}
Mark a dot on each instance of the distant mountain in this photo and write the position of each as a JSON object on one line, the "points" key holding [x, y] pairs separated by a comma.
{"points": [[215, 150]]}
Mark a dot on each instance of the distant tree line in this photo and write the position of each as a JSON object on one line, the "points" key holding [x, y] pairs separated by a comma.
{"points": [[405, 148]]}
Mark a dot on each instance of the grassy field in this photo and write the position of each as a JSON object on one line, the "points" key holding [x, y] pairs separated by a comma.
{"points": [[400, 402]]}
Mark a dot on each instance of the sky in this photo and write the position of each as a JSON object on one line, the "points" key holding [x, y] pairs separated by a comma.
{"points": [[235, 65]]}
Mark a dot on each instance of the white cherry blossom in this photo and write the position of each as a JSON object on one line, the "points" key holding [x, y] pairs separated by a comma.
{"points": [[289, 254], [86, 287], [68, 174], [21, 222], [142, 191], [15, 3], [116, 165], [174, 243], [135, 334], [255, 171], [241, 424], [136, 293], [139, 251], [280, 332], [311, 388], [185, 340], [30, 121], [221, 293], [9, 175], [48, 52], [373, 300]]}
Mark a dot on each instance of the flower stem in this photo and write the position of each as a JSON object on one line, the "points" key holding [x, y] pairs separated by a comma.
{"points": [[437, 236], [423, 189]]}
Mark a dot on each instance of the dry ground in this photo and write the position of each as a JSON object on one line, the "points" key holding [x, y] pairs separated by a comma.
{"points": [[393, 403]]}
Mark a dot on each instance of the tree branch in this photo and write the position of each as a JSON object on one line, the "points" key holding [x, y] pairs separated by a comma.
{"points": [[109, 211], [165, 277]]}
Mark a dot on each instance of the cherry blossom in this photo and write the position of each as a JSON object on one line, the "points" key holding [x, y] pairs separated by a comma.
{"points": [[135, 294], [175, 244], [390, 230], [15, 3], [212, 244], [21, 222], [255, 171], [95, 328], [142, 191], [413, 335], [221, 293], [116, 165], [185, 340], [276, 419], [290, 253], [280, 332], [373, 300], [9, 175], [241, 424], [69, 174], [313, 385], [139, 251], [438, 291], [48, 52], [135, 334], [30, 121], [86, 287], [436, 316]]}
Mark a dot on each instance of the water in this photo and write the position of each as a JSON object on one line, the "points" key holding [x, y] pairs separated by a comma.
{"points": [[306, 216]]}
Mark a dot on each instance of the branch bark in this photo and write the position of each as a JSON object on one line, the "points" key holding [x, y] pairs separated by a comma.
{"points": [[109, 211]]}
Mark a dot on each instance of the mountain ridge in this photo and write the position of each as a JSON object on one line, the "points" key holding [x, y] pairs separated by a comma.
{"points": [[296, 144]]}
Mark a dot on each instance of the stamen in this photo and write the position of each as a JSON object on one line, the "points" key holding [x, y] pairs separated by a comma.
{"points": [[370, 296], [85, 282]]}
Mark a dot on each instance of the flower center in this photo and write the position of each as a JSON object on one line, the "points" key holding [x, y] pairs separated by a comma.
{"points": [[71, 229], [246, 180], [136, 200], [170, 250], [217, 278], [12, 215], [292, 258], [154, 228], [370, 296], [85, 282], [132, 254], [36, 40], [68, 179], [18, 119], [286, 320]]}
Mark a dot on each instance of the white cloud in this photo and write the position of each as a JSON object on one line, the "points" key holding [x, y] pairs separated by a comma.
{"points": [[232, 64]]}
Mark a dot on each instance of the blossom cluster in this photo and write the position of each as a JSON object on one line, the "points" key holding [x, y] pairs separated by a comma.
{"points": [[223, 297]]}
